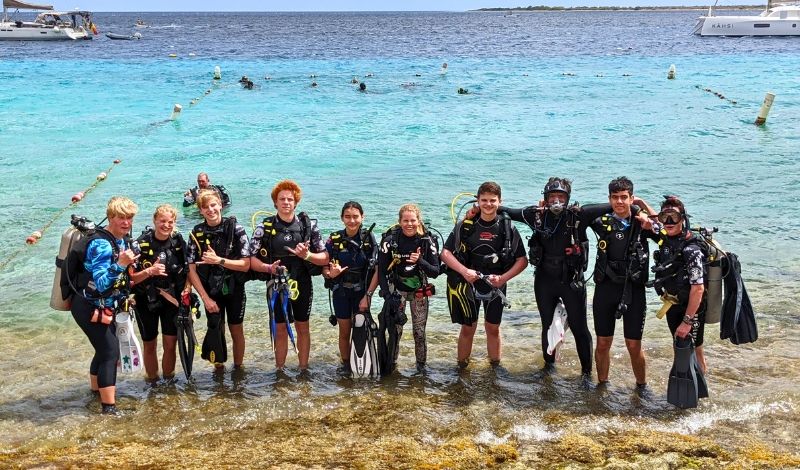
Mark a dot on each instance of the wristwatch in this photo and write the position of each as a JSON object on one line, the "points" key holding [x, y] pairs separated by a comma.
{"points": [[687, 319], [222, 261]]}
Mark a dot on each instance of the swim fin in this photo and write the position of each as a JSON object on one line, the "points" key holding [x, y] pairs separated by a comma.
{"points": [[682, 389], [363, 352], [130, 352], [214, 348]]}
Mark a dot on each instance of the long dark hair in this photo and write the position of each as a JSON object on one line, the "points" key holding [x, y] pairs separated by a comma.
{"points": [[352, 205]]}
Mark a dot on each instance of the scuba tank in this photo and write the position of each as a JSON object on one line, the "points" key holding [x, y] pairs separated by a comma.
{"points": [[714, 285], [77, 230]]}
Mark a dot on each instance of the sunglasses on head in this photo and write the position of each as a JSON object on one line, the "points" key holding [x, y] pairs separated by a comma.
{"points": [[669, 218]]}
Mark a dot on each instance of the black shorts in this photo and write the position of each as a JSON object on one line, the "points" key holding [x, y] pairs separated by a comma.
{"points": [[148, 319], [232, 306], [675, 317], [345, 302], [607, 297], [464, 307]]}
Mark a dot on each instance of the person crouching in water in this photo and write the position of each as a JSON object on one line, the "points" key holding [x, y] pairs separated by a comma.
{"points": [[486, 250], [408, 255], [161, 266], [102, 287], [218, 250], [294, 242], [680, 272], [353, 252]]}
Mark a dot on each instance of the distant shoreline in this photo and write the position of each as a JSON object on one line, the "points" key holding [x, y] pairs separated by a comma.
{"points": [[541, 8]]}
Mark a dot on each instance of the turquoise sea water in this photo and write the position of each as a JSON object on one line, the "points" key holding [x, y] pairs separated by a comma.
{"points": [[541, 112]]}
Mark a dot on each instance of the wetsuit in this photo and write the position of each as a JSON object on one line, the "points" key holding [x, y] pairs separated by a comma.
{"points": [[481, 248], [349, 287], [272, 247], [680, 264], [111, 280], [620, 274], [151, 307], [396, 274], [191, 198], [224, 286], [559, 253]]}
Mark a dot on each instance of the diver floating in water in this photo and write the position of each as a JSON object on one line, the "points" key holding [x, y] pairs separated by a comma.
{"points": [[204, 182]]}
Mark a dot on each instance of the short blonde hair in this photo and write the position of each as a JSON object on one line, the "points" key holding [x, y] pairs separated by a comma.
{"points": [[416, 210], [165, 209], [120, 206], [205, 196]]}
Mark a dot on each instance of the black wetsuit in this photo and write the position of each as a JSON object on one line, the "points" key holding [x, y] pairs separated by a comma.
{"points": [[224, 286], [620, 274], [276, 247], [395, 273], [349, 287], [680, 264], [151, 307], [559, 269]]}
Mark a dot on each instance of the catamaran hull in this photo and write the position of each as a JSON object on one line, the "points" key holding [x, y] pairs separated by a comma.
{"points": [[746, 26]]}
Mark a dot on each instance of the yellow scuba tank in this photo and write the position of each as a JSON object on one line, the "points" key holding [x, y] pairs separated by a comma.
{"points": [[68, 239]]}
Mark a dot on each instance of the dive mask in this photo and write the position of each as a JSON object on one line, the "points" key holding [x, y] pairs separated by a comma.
{"points": [[669, 217]]}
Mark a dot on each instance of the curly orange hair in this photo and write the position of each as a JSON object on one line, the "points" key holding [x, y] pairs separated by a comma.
{"points": [[287, 185]]}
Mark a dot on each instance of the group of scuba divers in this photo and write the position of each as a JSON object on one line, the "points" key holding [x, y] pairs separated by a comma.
{"points": [[484, 251]]}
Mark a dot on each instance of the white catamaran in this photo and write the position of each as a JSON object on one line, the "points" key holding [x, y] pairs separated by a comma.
{"points": [[48, 26], [780, 18]]}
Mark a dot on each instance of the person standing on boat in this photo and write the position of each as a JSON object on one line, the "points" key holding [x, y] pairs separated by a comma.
{"points": [[294, 242]]}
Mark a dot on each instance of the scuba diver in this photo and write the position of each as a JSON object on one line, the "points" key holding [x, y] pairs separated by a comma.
{"points": [[680, 272], [407, 257], [219, 257], [680, 275], [620, 274], [203, 182], [159, 277], [350, 275], [559, 253], [483, 254], [291, 241], [96, 277]]}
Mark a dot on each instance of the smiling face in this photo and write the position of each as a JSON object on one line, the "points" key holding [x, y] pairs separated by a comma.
{"points": [[488, 203], [285, 204], [352, 220], [212, 212], [621, 202], [164, 225], [409, 223]]}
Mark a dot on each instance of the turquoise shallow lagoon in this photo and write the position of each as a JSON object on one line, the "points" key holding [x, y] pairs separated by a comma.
{"points": [[589, 110]]}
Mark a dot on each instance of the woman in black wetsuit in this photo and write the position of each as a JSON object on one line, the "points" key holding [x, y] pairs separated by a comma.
{"points": [[408, 255]]}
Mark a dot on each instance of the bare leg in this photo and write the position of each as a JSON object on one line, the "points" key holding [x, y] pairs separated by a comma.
{"points": [[168, 359], [602, 357], [465, 338], [701, 357], [494, 344], [237, 337], [636, 353], [281, 345], [344, 339], [150, 359], [303, 343]]}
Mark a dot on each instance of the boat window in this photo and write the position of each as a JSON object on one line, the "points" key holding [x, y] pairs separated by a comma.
{"points": [[761, 25], [783, 15]]}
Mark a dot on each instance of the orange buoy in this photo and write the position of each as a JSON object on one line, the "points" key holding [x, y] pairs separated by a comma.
{"points": [[77, 196], [31, 240]]}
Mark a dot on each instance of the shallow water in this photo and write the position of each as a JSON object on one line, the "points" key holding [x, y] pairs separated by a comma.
{"points": [[582, 95]]}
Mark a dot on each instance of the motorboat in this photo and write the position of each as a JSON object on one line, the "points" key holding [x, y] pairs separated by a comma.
{"points": [[48, 26], [124, 37], [778, 19], [140, 23]]}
